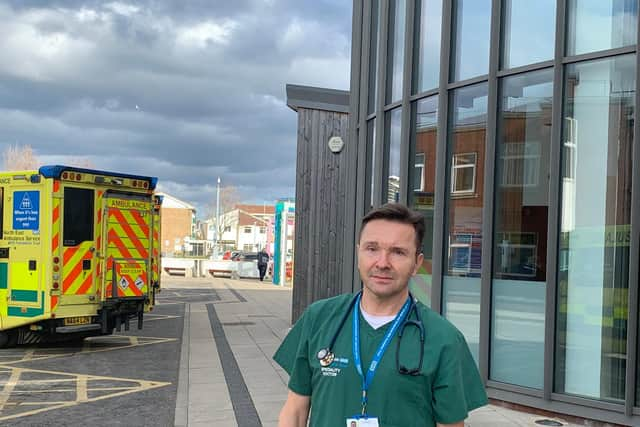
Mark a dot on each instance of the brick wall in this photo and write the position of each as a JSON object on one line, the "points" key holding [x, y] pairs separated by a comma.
{"points": [[176, 224]]}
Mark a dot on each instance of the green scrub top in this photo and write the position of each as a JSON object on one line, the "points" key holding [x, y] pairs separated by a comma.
{"points": [[447, 388]]}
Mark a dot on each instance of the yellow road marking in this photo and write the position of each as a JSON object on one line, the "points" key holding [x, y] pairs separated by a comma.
{"points": [[60, 390], [158, 317], [45, 381], [169, 302], [82, 388], [133, 340], [28, 355], [125, 343], [10, 404], [9, 386]]}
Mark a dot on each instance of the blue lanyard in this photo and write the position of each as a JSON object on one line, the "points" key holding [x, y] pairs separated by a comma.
{"points": [[368, 379]]}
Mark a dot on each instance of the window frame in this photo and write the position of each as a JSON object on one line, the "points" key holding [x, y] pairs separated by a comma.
{"points": [[421, 166], [530, 161], [454, 169]]}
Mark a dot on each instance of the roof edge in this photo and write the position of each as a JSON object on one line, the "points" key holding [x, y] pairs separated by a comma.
{"points": [[317, 98]]}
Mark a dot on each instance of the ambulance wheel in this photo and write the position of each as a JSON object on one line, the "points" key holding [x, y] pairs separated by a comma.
{"points": [[8, 338]]}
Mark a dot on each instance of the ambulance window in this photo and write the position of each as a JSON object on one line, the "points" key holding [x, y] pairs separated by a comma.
{"points": [[78, 216]]}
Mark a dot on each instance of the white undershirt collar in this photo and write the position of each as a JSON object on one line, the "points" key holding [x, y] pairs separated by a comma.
{"points": [[374, 320]]}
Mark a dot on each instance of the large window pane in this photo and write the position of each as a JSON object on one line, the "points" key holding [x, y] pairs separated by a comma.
{"points": [[529, 32], [422, 172], [392, 176], [463, 212], [472, 20], [428, 30], [520, 229], [397, 14], [373, 56], [593, 264], [594, 25]]}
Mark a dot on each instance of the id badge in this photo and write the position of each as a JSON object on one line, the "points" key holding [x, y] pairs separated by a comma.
{"points": [[362, 422]]}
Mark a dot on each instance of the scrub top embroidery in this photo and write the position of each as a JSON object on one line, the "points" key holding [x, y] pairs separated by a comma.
{"points": [[447, 388]]}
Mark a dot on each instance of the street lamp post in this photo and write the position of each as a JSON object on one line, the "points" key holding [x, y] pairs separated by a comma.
{"points": [[255, 241], [218, 231]]}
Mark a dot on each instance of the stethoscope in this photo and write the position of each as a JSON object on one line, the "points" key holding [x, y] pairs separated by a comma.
{"points": [[326, 355]]}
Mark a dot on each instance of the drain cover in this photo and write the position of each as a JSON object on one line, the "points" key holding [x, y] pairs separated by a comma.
{"points": [[547, 422]]}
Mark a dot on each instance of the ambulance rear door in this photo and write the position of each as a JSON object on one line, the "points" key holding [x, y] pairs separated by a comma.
{"points": [[128, 226], [78, 248]]}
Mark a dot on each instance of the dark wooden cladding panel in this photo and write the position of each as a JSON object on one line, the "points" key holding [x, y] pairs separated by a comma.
{"points": [[320, 207], [303, 183]]}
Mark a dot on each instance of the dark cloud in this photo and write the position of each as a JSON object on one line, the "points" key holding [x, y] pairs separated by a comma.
{"points": [[186, 91]]}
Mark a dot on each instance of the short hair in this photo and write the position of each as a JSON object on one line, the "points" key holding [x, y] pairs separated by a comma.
{"points": [[397, 212]]}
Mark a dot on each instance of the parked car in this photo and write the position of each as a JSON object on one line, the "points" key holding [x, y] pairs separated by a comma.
{"points": [[244, 256]]}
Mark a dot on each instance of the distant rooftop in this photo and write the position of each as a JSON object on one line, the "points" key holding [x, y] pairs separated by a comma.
{"points": [[256, 209], [169, 201]]}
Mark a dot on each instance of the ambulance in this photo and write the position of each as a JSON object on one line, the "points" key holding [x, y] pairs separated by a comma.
{"points": [[79, 253]]}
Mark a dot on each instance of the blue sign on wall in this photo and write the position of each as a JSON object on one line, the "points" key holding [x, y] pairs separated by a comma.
{"points": [[26, 210]]}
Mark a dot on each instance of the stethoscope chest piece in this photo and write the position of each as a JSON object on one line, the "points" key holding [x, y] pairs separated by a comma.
{"points": [[326, 357]]}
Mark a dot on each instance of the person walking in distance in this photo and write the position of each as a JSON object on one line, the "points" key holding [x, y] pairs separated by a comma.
{"points": [[379, 357], [263, 262]]}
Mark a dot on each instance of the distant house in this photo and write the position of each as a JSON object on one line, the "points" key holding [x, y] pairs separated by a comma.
{"points": [[177, 226], [247, 227]]}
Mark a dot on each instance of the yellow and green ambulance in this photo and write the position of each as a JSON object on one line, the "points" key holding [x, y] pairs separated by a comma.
{"points": [[79, 252]]}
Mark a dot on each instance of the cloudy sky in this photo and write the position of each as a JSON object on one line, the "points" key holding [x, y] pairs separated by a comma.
{"points": [[184, 90]]}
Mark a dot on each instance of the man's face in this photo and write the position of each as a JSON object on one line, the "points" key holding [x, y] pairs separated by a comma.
{"points": [[387, 257]]}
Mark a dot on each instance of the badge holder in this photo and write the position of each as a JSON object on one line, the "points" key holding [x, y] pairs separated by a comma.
{"points": [[362, 421]]}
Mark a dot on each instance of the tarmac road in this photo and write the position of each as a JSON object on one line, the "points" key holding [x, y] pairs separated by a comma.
{"points": [[129, 378]]}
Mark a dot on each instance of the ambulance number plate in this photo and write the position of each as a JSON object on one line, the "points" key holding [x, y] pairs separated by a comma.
{"points": [[80, 320]]}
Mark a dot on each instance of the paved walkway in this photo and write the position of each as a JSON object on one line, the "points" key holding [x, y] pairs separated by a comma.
{"points": [[227, 377]]}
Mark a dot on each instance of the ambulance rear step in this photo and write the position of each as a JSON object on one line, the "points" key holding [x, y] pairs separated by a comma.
{"points": [[118, 311]]}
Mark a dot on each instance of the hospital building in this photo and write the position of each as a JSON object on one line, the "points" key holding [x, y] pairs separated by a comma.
{"points": [[510, 125]]}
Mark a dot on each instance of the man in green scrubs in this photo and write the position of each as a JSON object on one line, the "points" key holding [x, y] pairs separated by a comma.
{"points": [[369, 374]]}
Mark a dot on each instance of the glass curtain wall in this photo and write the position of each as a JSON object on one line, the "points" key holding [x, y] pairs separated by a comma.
{"points": [[528, 32], [593, 123], [463, 211], [424, 143], [428, 29], [520, 229], [593, 270], [594, 25], [397, 19], [472, 23]]}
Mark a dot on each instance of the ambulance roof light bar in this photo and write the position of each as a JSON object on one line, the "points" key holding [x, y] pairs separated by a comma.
{"points": [[55, 171]]}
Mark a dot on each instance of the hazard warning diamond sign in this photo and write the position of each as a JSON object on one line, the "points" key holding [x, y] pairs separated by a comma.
{"points": [[124, 283]]}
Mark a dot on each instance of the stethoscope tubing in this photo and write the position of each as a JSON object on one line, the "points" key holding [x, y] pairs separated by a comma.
{"points": [[327, 351]]}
